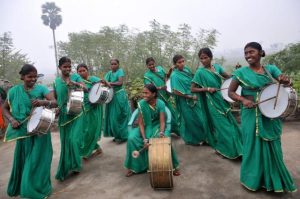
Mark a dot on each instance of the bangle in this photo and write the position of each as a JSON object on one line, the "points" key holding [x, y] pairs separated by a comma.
{"points": [[208, 89], [145, 140], [50, 103]]}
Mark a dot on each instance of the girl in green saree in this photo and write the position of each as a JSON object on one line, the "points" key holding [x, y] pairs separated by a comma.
{"points": [[30, 176], [194, 125], [226, 134], [262, 164], [92, 116], [117, 112], [156, 75], [70, 126], [151, 120]]}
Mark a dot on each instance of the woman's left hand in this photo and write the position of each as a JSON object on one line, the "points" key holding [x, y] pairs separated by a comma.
{"points": [[36, 103], [283, 79]]}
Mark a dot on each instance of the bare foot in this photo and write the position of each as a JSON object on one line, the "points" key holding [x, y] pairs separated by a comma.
{"points": [[176, 172], [129, 173]]}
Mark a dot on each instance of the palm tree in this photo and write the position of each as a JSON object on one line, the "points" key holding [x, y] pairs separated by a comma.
{"points": [[53, 19]]}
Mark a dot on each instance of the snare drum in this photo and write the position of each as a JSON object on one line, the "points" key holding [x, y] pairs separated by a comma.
{"points": [[100, 94], [286, 101], [75, 102], [160, 163], [224, 90], [168, 85], [40, 121]]}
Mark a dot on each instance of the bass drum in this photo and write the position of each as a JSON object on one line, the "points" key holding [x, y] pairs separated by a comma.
{"points": [[224, 90], [160, 163], [286, 102], [41, 120], [100, 94]]}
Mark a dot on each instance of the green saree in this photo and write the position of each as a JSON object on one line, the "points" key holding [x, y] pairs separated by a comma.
{"points": [[117, 112], [151, 121], [30, 176], [70, 128], [194, 125], [226, 134], [262, 164], [158, 79], [92, 119]]}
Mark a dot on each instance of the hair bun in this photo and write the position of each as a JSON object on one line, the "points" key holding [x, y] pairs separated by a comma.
{"points": [[263, 53]]}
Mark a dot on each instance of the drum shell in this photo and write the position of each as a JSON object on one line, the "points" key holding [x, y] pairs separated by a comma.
{"points": [[75, 102], [160, 163], [45, 122]]}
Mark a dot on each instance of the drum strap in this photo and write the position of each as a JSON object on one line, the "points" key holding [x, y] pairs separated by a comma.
{"points": [[269, 74]]}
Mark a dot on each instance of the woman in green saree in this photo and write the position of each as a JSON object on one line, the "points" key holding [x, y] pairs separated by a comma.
{"points": [[30, 176], [156, 75], [226, 134], [117, 112], [194, 125], [92, 116], [70, 126], [151, 120], [262, 164]]}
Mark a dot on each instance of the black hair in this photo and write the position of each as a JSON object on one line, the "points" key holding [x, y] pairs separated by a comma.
{"points": [[176, 58], [114, 59], [26, 69], [149, 59], [152, 89], [82, 65], [206, 51], [63, 60], [256, 46]]}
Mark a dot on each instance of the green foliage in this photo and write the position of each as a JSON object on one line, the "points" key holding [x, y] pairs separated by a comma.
{"points": [[11, 60], [288, 60], [51, 15], [132, 47]]}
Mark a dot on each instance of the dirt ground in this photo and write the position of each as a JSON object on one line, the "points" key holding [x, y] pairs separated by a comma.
{"points": [[204, 173]]}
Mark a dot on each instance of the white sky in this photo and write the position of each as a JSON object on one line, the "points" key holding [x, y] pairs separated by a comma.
{"points": [[238, 21]]}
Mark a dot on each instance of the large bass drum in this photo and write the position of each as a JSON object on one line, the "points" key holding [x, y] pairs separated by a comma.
{"points": [[75, 102], [41, 120], [100, 94], [160, 163], [224, 90], [286, 102]]}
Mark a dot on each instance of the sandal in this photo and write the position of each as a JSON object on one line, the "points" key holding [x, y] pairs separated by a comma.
{"points": [[176, 173], [129, 173]]}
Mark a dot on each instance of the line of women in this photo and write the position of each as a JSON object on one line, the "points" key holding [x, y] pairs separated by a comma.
{"points": [[199, 116]]}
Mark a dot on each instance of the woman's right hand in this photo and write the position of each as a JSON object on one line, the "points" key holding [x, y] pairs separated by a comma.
{"points": [[248, 103], [14, 123]]}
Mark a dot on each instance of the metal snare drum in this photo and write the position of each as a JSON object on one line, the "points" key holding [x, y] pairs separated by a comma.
{"points": [[224, 90], [75, 102], [286, 101], [41, 120], [100, 94], [160, 163]]}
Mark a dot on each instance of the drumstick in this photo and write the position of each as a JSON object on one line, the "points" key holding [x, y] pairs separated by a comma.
{"points": [[278, 88], [265, 100], [98, 88], [220, 89], [136, 154]]}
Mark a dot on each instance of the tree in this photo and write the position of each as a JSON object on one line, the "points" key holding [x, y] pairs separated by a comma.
{"points": [[10, 58], [53, 19]]}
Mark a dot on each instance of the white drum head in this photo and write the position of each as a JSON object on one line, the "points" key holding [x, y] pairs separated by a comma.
{"points": [[267, 108], [168, 84], [93, 94], [224, 90], [34, 119]]}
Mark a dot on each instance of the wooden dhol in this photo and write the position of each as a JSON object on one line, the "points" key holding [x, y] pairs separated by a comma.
{"points": [[160, 163]]}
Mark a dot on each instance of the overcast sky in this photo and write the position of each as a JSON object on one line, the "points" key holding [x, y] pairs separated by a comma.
{"points": [[238, 21]]}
